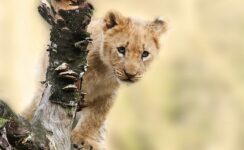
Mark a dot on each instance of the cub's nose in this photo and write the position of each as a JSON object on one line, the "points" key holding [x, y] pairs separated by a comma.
{"points": [[129, 75]]}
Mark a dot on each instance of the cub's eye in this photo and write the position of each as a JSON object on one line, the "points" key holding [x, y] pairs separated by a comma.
{"points": [[145, 54], [121, 50]]}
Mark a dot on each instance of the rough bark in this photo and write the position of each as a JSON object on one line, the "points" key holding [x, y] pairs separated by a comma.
{"points": [[52, 122]]}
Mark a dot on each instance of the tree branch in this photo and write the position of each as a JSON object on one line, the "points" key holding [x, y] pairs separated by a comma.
{"points": [[52, 122]]}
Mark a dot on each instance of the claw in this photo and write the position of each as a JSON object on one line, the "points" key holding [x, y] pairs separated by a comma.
{"points": [[83, 93], [81, 74], [85, 68], [85, 42]]}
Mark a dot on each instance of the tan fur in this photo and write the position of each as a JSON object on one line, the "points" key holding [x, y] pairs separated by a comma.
{"points": [[107, 69]]}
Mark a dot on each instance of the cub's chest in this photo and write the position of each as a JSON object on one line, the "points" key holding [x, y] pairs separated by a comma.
{"points": [[98, 85]]}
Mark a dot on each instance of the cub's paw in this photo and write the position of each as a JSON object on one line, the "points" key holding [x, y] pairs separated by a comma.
{"points": [[80, 143], [82, 146]]}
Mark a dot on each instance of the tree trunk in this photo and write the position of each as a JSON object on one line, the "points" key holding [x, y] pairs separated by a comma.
{"points": [[52, 122]]}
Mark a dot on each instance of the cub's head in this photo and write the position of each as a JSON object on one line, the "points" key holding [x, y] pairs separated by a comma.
{"points": [[130, 45]]}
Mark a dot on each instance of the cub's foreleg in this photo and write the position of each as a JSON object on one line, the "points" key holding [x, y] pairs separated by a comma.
{"points": [[90, 131]]}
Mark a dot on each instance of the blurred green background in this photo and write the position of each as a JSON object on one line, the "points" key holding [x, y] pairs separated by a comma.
{"points": [[192, 98]]}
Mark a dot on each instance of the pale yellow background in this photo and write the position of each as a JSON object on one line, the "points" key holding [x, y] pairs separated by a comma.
{"points": [[191, 99]]}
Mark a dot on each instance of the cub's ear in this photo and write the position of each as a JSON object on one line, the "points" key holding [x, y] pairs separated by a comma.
{"points": [[158, 26], [113, 19]]}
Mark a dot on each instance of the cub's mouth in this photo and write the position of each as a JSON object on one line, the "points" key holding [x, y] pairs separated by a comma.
{"points": [[127, 80]]}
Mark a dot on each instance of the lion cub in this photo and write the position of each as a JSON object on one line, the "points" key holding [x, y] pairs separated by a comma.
{"points": [[121, 51]]}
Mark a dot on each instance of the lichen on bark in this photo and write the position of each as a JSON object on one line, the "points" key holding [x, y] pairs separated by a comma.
{"points": [[65, 35]]}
